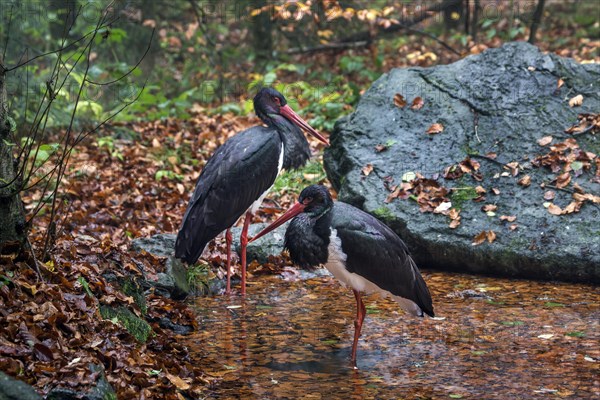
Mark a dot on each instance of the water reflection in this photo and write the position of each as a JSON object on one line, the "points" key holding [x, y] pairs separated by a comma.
{"points": [[498, 339]]}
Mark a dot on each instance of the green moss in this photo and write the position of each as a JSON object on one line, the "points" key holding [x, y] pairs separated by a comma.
{"points": [[131, 288], [136, 326], [383, 213], [461, 195]]}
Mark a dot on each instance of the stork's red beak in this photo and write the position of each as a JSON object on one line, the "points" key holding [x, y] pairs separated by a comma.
{"points": [[287, 112], [289, 214]]}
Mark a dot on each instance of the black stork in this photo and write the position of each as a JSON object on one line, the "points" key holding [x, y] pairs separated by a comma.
{"points": [[358, 249], [239, 174]]}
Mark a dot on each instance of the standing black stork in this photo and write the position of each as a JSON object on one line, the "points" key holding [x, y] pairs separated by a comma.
{"points": [[358, 249], [237, 177]]}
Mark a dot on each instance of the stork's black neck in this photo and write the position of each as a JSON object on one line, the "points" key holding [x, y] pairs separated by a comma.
{"points": [[296, 148], [307, 239]]}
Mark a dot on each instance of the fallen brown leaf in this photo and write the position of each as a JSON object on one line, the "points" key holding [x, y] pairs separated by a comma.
{"points": [[549, 195], [576, 101], [509, 218], [367, 169], [479, 238], [380, 147], [399, 100], [489, 207], [435, 128], [563, 180], [546, 140], [417, 103], [525, 181], [554, 209], [178, 382]]}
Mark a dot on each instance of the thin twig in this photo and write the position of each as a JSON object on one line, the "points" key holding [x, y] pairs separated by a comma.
{"points": [[131, 70], [480, 156]]}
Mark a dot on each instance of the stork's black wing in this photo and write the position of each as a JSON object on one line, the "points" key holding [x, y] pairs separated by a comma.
{"points": [[239, 172], [376, 253]]}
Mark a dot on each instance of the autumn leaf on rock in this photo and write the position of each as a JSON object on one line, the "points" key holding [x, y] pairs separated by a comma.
{"points": [[445, 206], [496, 191], [525, 181], [399, 101], [549, 195], [554, 209], [572, 207], [435, 129], [367, 169], [559, 83], [576, 101], [480, 238], [585, 123], [509, 218], [454, 215], [513, 167], [546, 140], [417, 103], [563, 180], [380, 147], [489, 207]]}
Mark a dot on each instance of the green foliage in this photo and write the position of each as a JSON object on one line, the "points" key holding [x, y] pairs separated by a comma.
{"points": [[163, 173], [198, 276], [86, 286], [108, 142], [295, 180]]}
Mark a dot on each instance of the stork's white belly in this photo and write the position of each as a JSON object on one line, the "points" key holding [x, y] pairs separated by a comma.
{"points": [[336, 264], [256, 205]]}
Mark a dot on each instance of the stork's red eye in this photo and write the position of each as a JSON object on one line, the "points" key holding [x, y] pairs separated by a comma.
{"points": [[307, 200], [276, 100]]}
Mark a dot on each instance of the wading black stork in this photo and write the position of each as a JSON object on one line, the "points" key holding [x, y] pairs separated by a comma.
{"points": [[359, 250], [237, 177]]}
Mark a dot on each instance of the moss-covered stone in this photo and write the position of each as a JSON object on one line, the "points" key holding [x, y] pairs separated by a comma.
{"points": [[503, 101], [461, 195], [132, 288], [136, 326]]}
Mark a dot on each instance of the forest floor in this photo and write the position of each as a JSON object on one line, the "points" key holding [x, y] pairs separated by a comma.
{"points": [[136, 186]]}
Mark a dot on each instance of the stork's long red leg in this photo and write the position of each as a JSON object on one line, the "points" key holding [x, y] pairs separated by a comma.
{"points": [[244, 242], [360, 317], [229, 240]]}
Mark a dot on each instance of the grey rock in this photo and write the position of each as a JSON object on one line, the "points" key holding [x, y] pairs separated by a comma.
{"points": [[173, 283], [501, 101], [161, 245], [102, 391], [14, 389], [260, 250]]}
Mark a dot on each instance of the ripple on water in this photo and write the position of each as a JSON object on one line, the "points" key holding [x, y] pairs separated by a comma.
{"points": [[499, 338]]}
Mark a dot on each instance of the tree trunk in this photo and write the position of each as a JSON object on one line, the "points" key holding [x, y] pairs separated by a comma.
{"points": [[262, 38], [535, 22], [13, 232]]}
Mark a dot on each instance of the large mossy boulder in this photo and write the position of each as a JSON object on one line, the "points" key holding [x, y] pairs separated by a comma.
{"points": [[494, 108]]}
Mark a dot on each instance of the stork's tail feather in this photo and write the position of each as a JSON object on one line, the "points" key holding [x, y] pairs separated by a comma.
{"points": [[423, 296]]}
